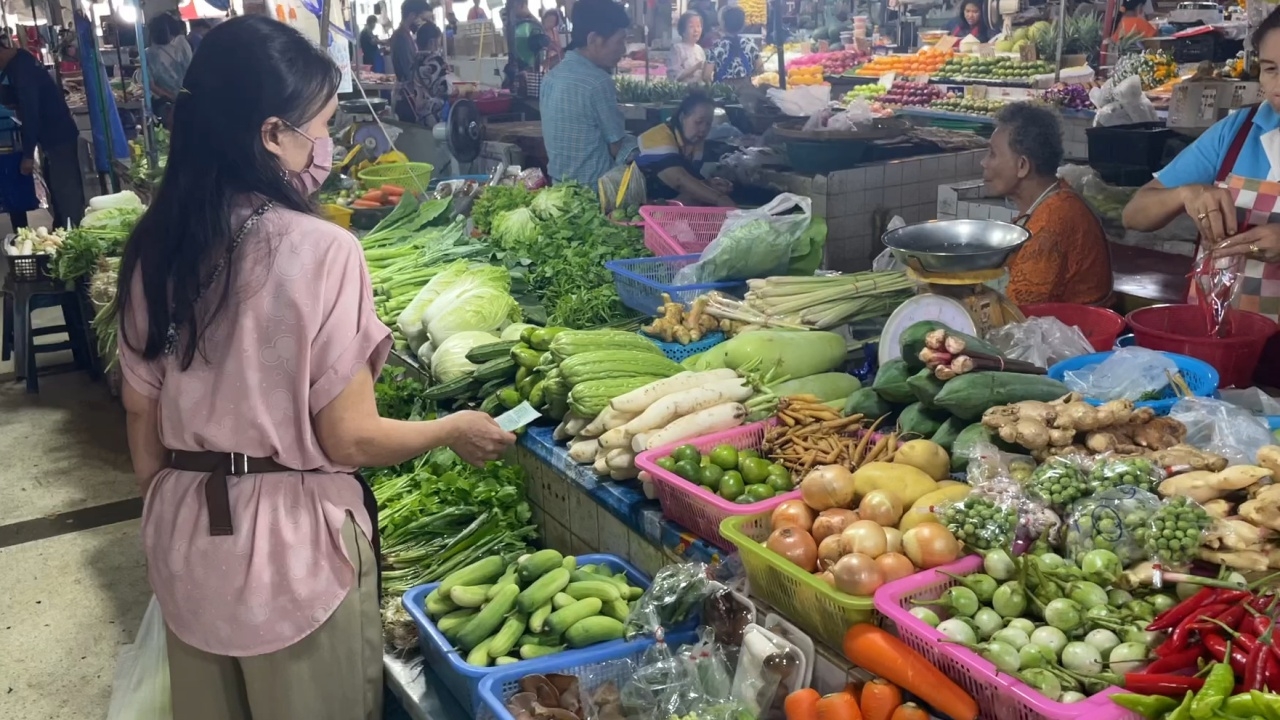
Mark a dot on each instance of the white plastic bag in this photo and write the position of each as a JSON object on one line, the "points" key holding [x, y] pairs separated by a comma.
{"points": [[1221, 428], [140, 690], [1040, 340], [752, 243], [1128, 374], [801, 101]]}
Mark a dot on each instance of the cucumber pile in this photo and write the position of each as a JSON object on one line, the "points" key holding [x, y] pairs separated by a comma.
{"points": [[500, 613]]}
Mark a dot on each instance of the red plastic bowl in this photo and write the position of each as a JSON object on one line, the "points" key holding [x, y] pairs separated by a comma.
{"points": [[1100, 326], [1182, 329]]}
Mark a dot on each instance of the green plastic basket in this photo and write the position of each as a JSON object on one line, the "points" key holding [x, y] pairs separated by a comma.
{"points": [[816, 607], [412, 176]]}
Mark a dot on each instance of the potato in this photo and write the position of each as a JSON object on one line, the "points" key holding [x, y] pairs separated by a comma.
{"points": [[908, 482], [925, 455], [942, 496]]}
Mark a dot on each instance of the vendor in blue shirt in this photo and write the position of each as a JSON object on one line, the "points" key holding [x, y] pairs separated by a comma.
{"points": [[582, 127], [1228, 181]]}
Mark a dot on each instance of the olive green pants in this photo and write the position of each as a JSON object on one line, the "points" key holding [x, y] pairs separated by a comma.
{"points": [[335, 673]]}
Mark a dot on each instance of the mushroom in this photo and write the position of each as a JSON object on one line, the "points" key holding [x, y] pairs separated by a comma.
{"points": [[570, 692], [521, 705], [542, 689]]}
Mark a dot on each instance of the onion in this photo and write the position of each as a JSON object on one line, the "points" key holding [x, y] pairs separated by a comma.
{"points": [[895, 565], [882, 506], [829, 551], [792, 513], [930, 545], [828, 486], [832, 522], [866, 537], [893, 540], [795, 545], [826, 577], [857, 574]]}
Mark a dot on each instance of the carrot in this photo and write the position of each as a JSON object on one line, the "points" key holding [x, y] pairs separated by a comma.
{"points": [[838, 706], [909, 711], [392, 190], [802, 704], [855, 690], [363, 204], [374, 196], [879, 699], [880, 653]]}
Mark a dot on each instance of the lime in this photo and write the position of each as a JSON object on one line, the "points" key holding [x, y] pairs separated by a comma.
{"points": [[747, 453], [755, 470], [758, 492], [687, 452], [726, 456], [731, 486], [710, 476], [743, 499], [779, 481], [688, 470], [666, 463]]}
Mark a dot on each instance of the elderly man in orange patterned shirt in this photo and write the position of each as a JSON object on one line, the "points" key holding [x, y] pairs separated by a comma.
{"points": [[1067, 259]]}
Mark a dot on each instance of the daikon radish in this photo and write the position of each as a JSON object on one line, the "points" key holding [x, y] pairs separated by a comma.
{"points": [[621, 459], [627, 474], [608, 418], [584, 451], [637, 401], [704, 422], [561, 433], [573, 424], [687, 402], [616, 438], [601, 467]]}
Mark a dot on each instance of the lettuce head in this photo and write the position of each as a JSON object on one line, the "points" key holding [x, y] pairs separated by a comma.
{"points": [[469, 298]]}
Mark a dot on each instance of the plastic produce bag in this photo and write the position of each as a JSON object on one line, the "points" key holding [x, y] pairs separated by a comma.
{"points": [[769, 667], [1128, 374], [1040, 340], [1117, 520], [1221, 428], [623, 186], [675, 595], [140, 690], [693, 681], [801, 101], [1215, 281], [1061, 480], [1113, 472], [990, 516], [752, 243], [1252, 399], [1173, 534]]}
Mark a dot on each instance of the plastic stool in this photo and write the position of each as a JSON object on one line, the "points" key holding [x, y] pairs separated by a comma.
{"points": [[20, 300]]}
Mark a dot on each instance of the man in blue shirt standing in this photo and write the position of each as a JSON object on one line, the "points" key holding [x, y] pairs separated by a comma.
{"points": [[47, 123], [582, 127]]}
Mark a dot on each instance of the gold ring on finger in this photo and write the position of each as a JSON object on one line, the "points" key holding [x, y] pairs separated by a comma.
{"points": [[1202, 217], [1254, 249]]}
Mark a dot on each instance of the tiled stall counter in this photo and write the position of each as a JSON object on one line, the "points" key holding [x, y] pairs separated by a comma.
{"points": [[849, 199]]}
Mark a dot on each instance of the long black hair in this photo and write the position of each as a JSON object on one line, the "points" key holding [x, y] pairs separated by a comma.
{"points": [[216, 161]]}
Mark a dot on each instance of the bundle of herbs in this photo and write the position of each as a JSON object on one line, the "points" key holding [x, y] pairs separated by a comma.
{"points": [[437, 514], [562, 239]]}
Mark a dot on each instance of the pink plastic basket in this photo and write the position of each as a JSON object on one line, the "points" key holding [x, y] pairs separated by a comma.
{"points": [[678, 230], [1002, 697], [692, 505]]}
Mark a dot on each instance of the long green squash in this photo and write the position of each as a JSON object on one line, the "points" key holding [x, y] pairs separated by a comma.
{"points": [[969, 395], [824, 386], [794, 354]]}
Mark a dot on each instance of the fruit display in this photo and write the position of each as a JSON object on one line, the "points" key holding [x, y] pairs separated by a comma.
{"points": [[832, 63], [925, 62], [997, 68], [756, 11], [738, 475], [1071, 97], [864, 92], [804, 75], [911, 93], [500, 612], [972, 106], [1154, 68]]}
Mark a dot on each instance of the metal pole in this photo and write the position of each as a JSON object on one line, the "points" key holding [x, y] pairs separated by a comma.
{"points": [[148, 117], [326, 7], [1062, 31], [775, 17]]}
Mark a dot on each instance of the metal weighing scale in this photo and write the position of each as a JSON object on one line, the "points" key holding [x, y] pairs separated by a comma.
{"points": [[362, 132], [955, 261]]}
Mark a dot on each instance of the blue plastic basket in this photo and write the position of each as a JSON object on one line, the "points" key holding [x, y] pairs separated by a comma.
{"points": [[464, 680], [1198, 374], [678, 352], [642, 281], [500, 685]]}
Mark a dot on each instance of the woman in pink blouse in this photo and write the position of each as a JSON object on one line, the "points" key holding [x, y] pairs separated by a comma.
{"points": [[249, 345]]}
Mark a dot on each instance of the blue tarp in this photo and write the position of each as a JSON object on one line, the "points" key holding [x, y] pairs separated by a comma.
{"points": [[102, 105]]}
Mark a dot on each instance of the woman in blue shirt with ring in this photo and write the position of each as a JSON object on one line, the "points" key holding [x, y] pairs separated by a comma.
{"points": [[1228, 181]]}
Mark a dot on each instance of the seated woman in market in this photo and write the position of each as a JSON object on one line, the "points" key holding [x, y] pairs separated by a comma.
{"points": [[969, 22], [1231, 171], [671, 157], [1067, 259]]}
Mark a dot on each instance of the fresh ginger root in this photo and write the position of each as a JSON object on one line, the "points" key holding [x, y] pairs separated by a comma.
{"points": [[668, 326], [1269, 458], [1203, 486], [1186, 456], [1243, 560], [1234, 534], [1264, 508]]}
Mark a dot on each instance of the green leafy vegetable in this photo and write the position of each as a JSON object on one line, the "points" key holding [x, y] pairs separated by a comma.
{"points": [[516, 226], [469, 298], [495, 200]]}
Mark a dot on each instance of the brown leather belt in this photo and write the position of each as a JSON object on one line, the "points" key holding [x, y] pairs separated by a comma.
{"points": [[218, 466]]}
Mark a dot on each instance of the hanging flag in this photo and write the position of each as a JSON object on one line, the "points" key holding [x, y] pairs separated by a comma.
{"points": [[104, 117]]}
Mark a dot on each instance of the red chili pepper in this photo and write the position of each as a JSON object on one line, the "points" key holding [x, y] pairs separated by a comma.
{"points": [[1175, 662], [1263, 603], [1173, 616], [1217, 646], [1233, 596], [1255, 672], [1168, 685], [1272, 673], [1256, 623], [1231, 617], [1195, 621]]}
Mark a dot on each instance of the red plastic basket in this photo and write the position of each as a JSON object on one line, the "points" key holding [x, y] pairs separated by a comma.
{"points": [[696, 507], [1000, 696], [679, 230], [1100, 326], [1182, 329]]}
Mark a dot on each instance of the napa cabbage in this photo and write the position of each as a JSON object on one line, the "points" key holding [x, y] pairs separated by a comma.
{"points": [[468, 297], [516, 227], [449, 361]]}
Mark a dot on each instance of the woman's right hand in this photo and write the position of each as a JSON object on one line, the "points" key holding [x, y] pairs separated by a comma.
{"points": [[476, 437], [1213, 210]]}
